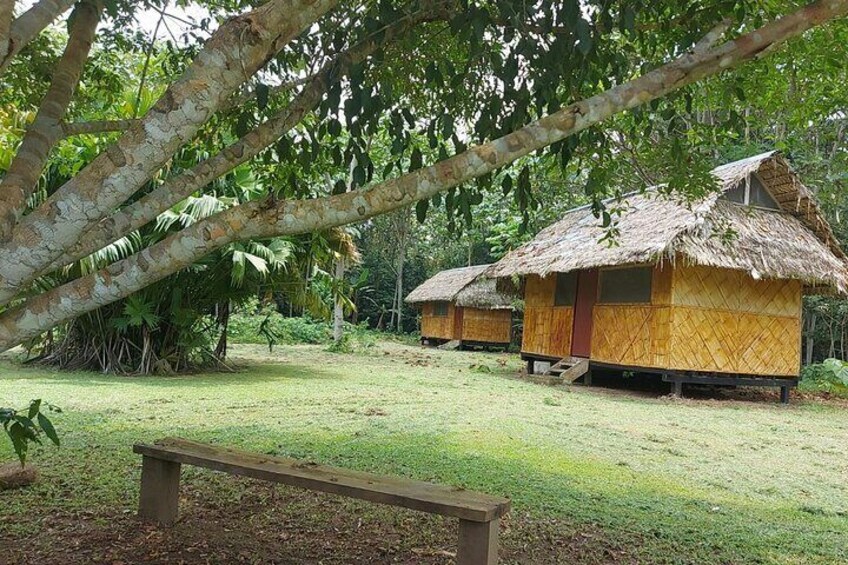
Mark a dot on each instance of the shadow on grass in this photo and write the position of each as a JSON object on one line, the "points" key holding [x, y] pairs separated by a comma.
{"points": [[666, 518], [248, 374]]}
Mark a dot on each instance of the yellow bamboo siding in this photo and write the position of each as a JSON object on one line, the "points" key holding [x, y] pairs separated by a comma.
{"points": [[630, 334], [438, 327], [635, 334], [486, 326], [726, 321], [547, 328]]}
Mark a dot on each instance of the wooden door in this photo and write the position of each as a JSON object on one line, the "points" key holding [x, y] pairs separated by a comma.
{"points": [[584, 302], [457, 322]]}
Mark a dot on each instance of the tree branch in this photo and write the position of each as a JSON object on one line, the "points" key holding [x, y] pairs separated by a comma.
{"points": [[261, 219], [249, 146], [234, 53], [7, 13], [29, 24], [42, 135], [92, 127], [713, 36]]}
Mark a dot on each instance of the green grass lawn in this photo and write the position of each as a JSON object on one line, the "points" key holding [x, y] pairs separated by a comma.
{"points": [[594, 475]]}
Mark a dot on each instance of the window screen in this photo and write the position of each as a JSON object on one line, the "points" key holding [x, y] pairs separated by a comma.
{"points": [[753, 193], [736, 194], [626, 286], [440, 309], [566, 287], [759, 196]]}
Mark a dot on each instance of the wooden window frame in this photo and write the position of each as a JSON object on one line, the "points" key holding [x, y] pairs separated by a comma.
{"points": [[573, 298], [436, 304]]}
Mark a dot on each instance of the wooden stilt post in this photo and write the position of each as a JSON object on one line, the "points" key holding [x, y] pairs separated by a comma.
{"points": [[160, 491], [530, 366], [784, 395], [478, 543], [678, 388]]}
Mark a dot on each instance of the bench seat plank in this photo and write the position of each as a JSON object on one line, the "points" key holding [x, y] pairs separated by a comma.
{"points": [[415, 495]]}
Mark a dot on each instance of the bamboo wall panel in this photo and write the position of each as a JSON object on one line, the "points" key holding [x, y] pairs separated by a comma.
{"points": [[734, 342], [487, 326], [725, 289], [726, 321], [630, 334], [547, 328], [438, 327], [661, 285], [539, 292]]}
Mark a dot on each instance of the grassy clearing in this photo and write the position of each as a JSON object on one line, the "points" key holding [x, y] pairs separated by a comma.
{"points": [[665, 481]]}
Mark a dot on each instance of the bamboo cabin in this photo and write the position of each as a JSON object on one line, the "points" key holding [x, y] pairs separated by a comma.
{"points": [[458, 306], [705, 292]]}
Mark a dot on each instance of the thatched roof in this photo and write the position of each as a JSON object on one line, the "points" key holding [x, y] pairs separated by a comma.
{"points": [[463, 287], [793, 243]]}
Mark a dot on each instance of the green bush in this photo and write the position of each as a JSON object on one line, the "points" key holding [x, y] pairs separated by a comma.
{"points": [[831, 376], [268, 326]]}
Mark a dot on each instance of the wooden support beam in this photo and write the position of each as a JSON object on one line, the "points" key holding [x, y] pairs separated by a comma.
{"points": [[478, 543], [160, 491], [784, 395]]}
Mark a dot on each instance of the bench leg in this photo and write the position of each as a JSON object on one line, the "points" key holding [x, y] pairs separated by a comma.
{"points": [[160, 491], [478, 543]]}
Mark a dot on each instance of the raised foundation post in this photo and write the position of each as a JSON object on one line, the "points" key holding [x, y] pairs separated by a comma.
{"points": [[784, 395]]}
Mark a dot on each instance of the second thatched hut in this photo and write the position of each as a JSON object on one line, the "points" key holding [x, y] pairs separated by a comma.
{"points": [[458, 306]]}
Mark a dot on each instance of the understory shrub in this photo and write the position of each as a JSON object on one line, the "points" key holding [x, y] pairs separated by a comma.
{"points": [[830, 376], [267, 326]]}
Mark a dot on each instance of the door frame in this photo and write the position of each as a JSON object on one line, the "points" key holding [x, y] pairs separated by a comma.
{"points": [[585, 297]]}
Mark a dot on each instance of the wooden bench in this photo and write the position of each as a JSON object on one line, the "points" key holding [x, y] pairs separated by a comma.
{"points": [[479, 514]]}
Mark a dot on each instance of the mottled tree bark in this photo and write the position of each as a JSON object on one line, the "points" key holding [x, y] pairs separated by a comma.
{"points": [[234, 53], [31, 157], [29, 24], [268, 218], [249, 146], [7, 14]]}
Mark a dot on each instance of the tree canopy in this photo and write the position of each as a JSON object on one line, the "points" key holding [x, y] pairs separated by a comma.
{"points": [[345, 111]]}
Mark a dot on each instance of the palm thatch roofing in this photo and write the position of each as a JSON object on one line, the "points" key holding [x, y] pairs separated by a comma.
{"points": [[794, 242], [464, 287]]}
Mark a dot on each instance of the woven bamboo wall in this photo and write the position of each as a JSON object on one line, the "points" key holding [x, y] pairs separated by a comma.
{"points": [[438, 327], [547, 328], [486, 326], [726, 321], [635, 334]]}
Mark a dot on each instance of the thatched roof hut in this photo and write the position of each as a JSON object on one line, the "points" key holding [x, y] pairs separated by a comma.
{"points": [[463, 287], [457, 305], [793, 243], [709, 287]]}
